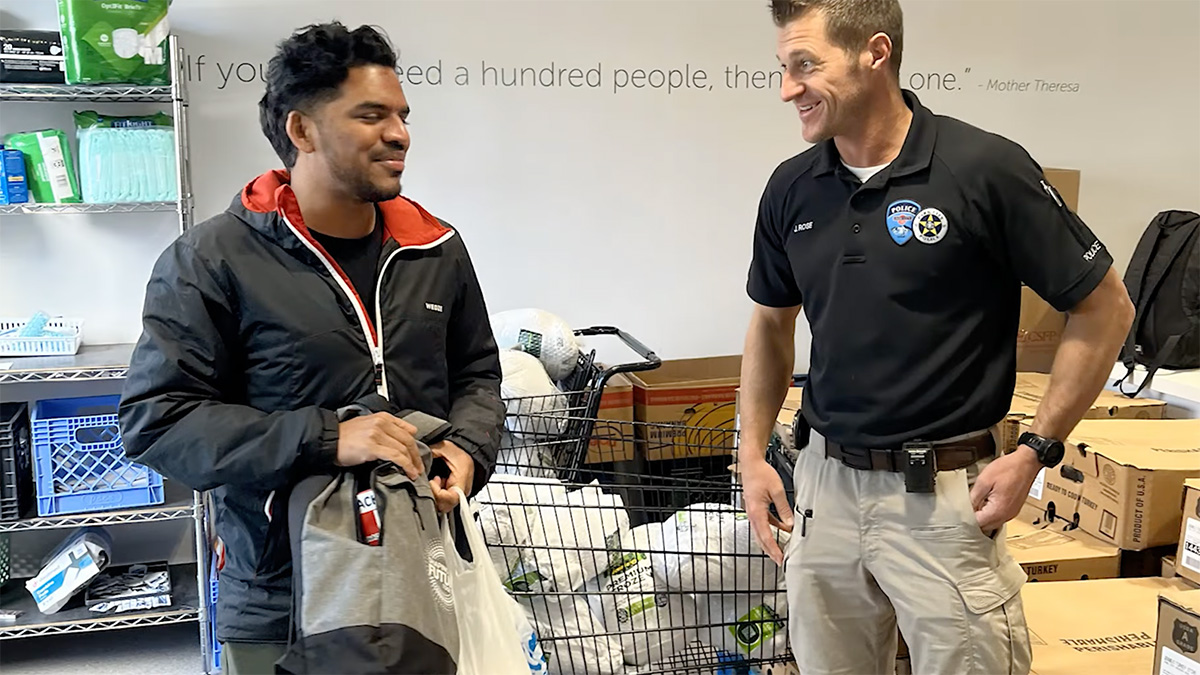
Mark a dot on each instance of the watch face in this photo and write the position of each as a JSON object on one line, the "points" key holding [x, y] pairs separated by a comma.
{"points": [[1054, 453]]}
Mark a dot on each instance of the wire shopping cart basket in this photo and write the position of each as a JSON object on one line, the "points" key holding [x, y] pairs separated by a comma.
{"points": [[630, 566]]}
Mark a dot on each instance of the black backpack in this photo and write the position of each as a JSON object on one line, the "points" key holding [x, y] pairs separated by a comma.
{"points": [[1163, 280]]}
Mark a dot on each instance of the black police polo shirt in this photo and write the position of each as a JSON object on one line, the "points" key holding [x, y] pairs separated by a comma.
{"points": [[911, 282]]}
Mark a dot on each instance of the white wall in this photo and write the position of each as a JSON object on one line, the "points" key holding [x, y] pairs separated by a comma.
{"points": [[636, 207]]}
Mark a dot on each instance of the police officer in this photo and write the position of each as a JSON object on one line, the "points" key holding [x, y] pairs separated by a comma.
{"points": [[906, 236]]}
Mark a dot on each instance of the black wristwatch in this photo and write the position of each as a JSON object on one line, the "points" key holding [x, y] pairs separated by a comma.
{"points": [[1049, 451]]}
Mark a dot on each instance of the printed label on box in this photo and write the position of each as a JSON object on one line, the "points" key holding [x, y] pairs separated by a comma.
{"points": [[1191, 545], [1035, 490], [1174, 663]]}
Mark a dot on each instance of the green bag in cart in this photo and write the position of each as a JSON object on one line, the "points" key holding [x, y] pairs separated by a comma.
{"points": [[49, 167], [115, 41]]}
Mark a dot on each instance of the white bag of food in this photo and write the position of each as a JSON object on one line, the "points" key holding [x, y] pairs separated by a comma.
{"points": [[711, 547], [568, 539], [651, 621], [753, 626], [541, 334], [536, 408], [572, 638]]}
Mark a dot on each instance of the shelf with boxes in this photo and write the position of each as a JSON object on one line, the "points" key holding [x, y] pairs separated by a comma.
{"points": [[113, 161], [185, 607], [33, 209]]}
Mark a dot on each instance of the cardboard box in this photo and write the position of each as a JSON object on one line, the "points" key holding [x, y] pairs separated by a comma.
{"points": [[1168, 566], [612, 437], [1047, 552], [1122, 480], [1031, 388], [1094, 626], [690, 406], [1187, 557], [1176, 649], [1038, 333], [1066, 181]]}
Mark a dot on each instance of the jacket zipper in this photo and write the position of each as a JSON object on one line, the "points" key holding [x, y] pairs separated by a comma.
{"points": [[381, 382], [375, 346], [364, 322]]}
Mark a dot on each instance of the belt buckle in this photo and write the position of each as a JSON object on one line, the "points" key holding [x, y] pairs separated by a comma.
{"points": [[919, 464]]}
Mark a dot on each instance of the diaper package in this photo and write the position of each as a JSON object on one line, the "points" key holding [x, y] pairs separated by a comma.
{"points": [[116, 41], [49, 169], [126, 159]]}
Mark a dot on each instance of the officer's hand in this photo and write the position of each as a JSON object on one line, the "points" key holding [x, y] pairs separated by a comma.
{"points": [[380, 436], [761, 487], [462, 475], [1002, 487]]}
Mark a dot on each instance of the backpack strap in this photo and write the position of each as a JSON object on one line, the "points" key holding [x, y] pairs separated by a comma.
{"points": [[1169, 347], [1135, 284]]}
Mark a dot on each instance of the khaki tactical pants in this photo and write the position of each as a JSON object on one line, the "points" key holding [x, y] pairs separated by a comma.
{"points": [[872, 556]]}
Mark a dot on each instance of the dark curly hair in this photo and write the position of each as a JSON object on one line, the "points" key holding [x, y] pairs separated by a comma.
{"points": [[307, 70]]}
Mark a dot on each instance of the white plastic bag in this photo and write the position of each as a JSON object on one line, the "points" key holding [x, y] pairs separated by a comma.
{"points": [[540, 333], [651, 621], [537, 410], [495, 638], [572, 637], [710, 548], [568, 539]]}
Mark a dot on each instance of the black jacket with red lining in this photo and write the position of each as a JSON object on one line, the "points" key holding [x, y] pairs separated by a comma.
{"points": [[253, 337]]}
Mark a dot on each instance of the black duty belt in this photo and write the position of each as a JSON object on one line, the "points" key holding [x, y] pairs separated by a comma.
{"points": [[919, 462]]}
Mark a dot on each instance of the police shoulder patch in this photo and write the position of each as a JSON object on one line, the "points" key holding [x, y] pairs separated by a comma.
{"points": [[900, 215]]}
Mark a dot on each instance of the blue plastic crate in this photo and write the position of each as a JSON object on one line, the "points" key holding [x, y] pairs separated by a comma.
{"points": [[79, 463], [215, 666]]}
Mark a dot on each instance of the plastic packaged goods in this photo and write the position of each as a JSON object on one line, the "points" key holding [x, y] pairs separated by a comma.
{"points": [[49, 166], [115, 41], [126, 159]]}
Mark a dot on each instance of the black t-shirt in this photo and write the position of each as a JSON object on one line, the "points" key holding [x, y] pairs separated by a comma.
{"points": [[359, 259], [911, 282]]}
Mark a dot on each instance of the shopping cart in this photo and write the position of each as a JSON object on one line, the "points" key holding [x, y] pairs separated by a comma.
{"points": [[630, 566]]}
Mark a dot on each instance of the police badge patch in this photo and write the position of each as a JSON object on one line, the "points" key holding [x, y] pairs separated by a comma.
{"points": [[900, 215], [930, 226]]}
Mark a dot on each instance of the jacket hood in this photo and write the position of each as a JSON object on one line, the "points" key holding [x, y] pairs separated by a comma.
{"points": [[267, 201]]}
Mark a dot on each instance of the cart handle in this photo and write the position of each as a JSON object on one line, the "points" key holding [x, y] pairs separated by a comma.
{"points": [[649, 361]]}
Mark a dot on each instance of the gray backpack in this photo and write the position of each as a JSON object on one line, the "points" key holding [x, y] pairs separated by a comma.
{"points": [[358, 608]]}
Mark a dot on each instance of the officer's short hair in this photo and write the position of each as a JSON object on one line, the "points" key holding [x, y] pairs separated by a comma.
{"points": [[850, 23]]}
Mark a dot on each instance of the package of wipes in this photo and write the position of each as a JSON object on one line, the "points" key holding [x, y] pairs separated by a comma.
{"points": [[115, 41], [49, 167]]}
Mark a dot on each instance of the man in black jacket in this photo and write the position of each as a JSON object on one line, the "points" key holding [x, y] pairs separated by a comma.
{"points": [[318, 287]]}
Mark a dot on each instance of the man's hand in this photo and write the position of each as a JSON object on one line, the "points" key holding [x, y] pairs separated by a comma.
{"points": [[462, 475], [761, 487], [1002, 487], [380, 436]]}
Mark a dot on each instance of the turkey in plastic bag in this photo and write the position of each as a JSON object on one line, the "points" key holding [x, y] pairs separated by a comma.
{"points": [[572, 637], [710, 547], [652, 621], [540, 333], [537, 410], [568, 540]]}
